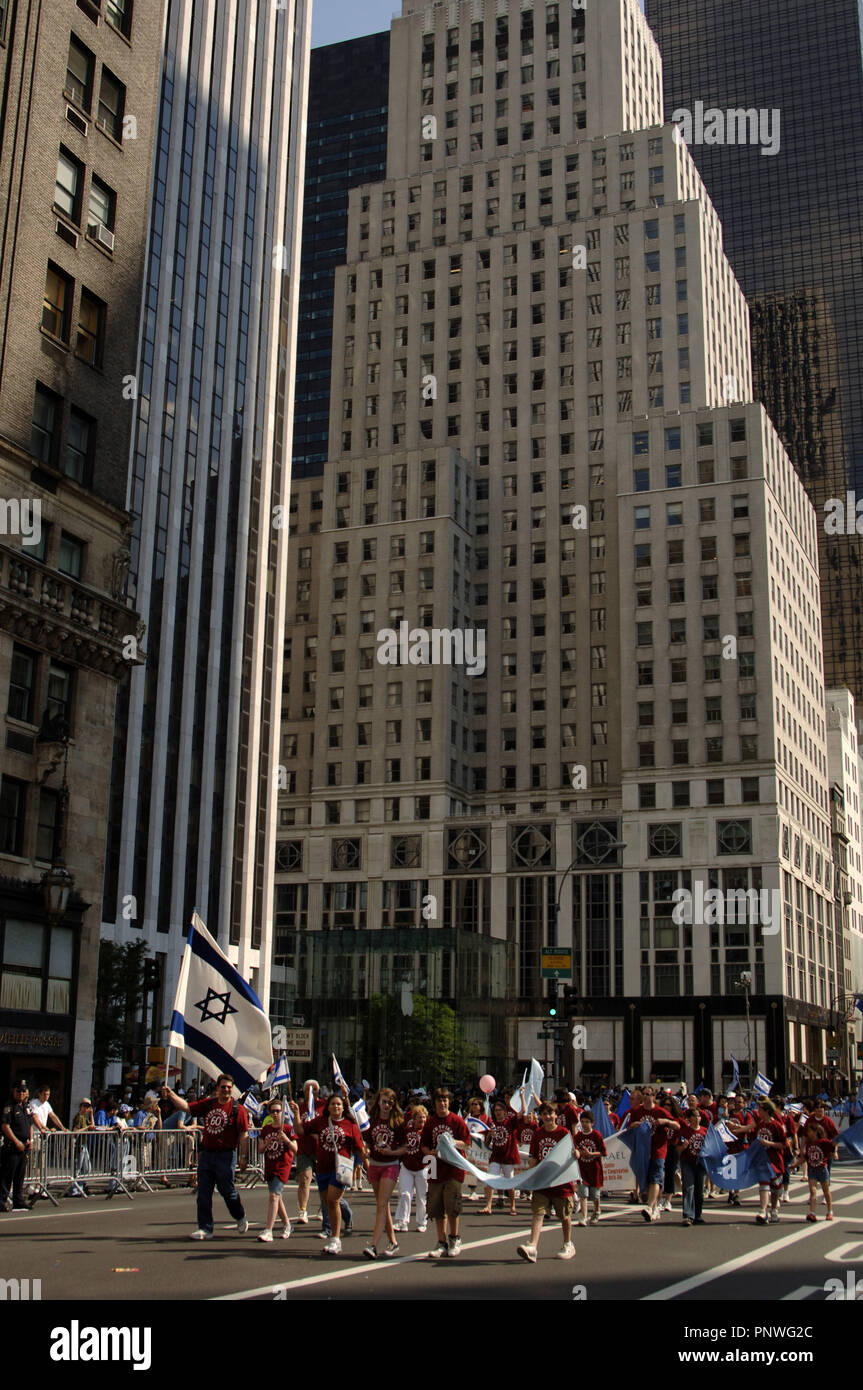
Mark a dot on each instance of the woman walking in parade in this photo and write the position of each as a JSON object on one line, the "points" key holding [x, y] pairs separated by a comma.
{"points": [[386, 1147], [413, 1177], [338, 1139]]}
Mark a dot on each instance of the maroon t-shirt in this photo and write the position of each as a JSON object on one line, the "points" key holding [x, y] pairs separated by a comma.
{"points": [[502, 1140], [333, 1136], [818, 1151], [659, 1138], [541, 1146], [689, 1142], [278, 1158], [306, 1143], [410, 1138], [222, 1129], [432, 1129], [774, 1132], [380, 1141], [526, 1129], [591, 1151]]}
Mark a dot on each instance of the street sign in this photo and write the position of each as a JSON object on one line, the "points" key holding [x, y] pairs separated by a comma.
{"points": [[298, 1021], [557, 965], [298, 1044]]}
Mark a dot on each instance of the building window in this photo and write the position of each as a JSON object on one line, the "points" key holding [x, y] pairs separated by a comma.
{"points": [[68, 185], [734, 837], [103, 204], [112, 104], [664, 841], [71, 558], [46, 825], [119, 13], [22, 680], [57, 303], [44, 431], [59, 700], [91, 330], [13, 801], [79, 74], [80, 441]]}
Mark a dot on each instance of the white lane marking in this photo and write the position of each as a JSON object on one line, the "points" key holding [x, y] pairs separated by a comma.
{"points": [[274, 1287], [798, 1295], [684, 1285], [839, 1255]]}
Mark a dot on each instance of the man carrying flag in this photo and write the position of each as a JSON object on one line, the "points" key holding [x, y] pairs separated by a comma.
{"points": [[226, 1128], [219, 1023]]}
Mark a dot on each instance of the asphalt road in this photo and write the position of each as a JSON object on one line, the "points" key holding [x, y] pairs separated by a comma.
{"points": [[140, 1250]]}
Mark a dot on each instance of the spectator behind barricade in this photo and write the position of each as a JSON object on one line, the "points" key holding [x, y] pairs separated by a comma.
{"points": [[84, 1118], [43, 1115], [102, 1113]]}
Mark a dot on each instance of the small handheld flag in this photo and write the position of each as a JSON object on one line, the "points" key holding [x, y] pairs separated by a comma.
{"points": [[763, 1085], [735, 1080], [279, 1073]]}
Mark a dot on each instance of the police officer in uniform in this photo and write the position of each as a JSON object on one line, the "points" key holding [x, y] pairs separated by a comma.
{"points": [[16, 1124]]}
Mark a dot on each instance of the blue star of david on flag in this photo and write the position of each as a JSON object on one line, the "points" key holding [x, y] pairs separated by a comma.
{"points": [[218, 1015]]}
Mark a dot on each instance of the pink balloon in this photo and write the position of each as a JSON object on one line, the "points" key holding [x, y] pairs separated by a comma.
{"points": [[487, 1085]]}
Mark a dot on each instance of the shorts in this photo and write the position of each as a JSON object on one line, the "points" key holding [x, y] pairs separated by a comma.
{"points": [[388, 1170], [591, 1192], [304, 1163], [501, 1170], [656, 1171], [444, 1199], [325, 1180], [818, 1174], [775, 1182], [275, 1186], [543, 1202]]}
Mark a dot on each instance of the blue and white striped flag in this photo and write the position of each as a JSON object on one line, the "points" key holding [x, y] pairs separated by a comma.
{"points": [[361, 1115], [219, 1021], [763, 1085], [279, 1073], [337, 1075], [735, 1079], [253, 1106]]}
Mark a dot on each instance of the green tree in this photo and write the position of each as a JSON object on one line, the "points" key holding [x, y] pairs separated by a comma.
{"points": [[427, 1046], [119, 996]]}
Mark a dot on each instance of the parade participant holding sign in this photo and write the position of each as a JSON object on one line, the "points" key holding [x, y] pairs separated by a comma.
{"points": [[386, 1148], [225, 1130], [503, 1145], [590, 1147], [338, 1138], [278, 1147], [444, 1200], [413, 1177], [548, 1199]]}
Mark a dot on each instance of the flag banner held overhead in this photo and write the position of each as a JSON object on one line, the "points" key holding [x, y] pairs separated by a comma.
{"points": [[218, 1020]]}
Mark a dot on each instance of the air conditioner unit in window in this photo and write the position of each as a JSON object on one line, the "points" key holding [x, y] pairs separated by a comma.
{"points": [[99, 232], [74, 118]]}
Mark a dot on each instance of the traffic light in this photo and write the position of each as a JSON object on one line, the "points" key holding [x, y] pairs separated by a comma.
{"points": [[552, 1011], [152, 975]]}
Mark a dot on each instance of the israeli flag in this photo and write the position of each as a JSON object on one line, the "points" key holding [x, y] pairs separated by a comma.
{"points": [[735, 1080], [337, 1075], [253, 1106], [361, 1115], [219, 1022], [478, 1128], [796, 1108], [724, 1132], [279, 1074], [763, 1085]]}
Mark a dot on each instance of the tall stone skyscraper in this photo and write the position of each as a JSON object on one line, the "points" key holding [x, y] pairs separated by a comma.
{"points": [[557, 595], [196, 748], [794, 235]]}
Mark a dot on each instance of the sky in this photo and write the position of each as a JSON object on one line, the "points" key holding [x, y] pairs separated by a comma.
{"points": [[334, 20]]}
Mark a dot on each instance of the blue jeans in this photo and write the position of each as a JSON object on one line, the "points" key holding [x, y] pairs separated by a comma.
{"points": [[693, 1190], [347, 1217], [216, 1170]]}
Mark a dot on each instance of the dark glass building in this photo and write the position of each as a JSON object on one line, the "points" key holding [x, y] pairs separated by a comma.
{"points": [[347, 145], [793, 230]]}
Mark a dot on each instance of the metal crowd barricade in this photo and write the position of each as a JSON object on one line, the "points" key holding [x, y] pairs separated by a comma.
{"points": [[255, 1171]]}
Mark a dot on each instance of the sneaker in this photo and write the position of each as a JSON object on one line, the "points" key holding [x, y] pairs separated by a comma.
{"points": [[242, 1225], [423, 1227], [710, 1196], [202, 1235], [650, 1215], [735, 1200], [665, 1204], [453, 1246], [440, 1251], [286, 1232], [594, 1220], [633, 1199], [400, 1226], [370, 1252], [581, 1221], [810, 1216], [761, 1219], [567, 1252], [303, 1218], [22, 1209], [773, 1216], [528, 1252], [829, 1216], [687, 1221], [392, 1249], [266, 1235], [332, 1247], [656, 1214]]}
